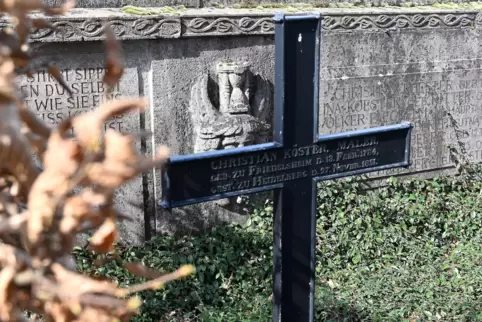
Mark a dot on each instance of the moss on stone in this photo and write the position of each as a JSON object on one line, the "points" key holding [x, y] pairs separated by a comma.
{"points": [[158, 11], [451, 5], [299, 7], [358, 4]]}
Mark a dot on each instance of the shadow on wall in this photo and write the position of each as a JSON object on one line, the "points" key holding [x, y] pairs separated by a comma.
{"points": [[178, 67], [202, 217], [196, 219]]}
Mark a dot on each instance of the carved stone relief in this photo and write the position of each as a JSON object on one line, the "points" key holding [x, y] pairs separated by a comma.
{"points": [[236, 114], [240, 114]]}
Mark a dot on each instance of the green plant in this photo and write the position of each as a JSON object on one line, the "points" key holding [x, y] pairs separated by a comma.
{"points": [[232, 263], [409, 251]]}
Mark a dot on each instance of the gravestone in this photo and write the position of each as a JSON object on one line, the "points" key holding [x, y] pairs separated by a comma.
{"points": [[419, 68], [291, 165], [219, 3], [378, 66], [83, 75]]}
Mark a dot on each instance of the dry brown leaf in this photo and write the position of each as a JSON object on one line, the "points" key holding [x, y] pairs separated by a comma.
{"points": [[11, 223], [103, 239], [7, 92], [139, 269], [21, 26], [159, 282], [122, 162], [119, 163], [42, 203], [11, 256], [33, 122], [20, 5], [38, 143], [63, 155], [63, 9], [89, 127], [7, 292], [59, 311], [114, 64], [16, 152], [20, 59], [9, 41], [82, 208], [13, 45], [40, 23], [55, 72], [81, 284]]}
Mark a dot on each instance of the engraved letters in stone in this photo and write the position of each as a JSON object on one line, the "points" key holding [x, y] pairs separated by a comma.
{"points": [[241, 117]]}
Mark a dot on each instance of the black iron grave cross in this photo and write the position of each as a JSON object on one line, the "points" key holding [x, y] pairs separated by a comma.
{"points": [[291, 165]]}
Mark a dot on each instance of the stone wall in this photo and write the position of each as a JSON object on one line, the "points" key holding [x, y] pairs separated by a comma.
{"points": [[378, 66], [244, 3]]}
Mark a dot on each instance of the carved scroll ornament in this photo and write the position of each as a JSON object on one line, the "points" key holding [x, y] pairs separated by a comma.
{"points": [[132, 27]]}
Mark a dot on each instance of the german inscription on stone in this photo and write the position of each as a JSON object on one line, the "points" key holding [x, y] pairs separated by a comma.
{"points": [[426, 84], [52, 103], [354, 104], [333, 156]]}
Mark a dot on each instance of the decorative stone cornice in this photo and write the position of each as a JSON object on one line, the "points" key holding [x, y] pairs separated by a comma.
{"points": [[125, 28], [88, 27], [397, 21], [220, 26]]}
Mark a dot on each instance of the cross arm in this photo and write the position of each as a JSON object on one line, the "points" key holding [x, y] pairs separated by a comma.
{"points": [[200, 177], [220, 174]]}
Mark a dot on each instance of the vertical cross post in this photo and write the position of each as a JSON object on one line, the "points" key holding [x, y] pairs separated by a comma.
{"points": [[291, 165], [296, 93]]}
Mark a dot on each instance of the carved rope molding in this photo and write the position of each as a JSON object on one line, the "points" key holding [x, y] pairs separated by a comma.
{"points": [[132, 27], [402, 21]]}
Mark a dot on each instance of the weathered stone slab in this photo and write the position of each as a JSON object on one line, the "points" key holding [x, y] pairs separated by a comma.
{"points": [[121, 3], [378, 66], [420, 76], [82, 69], [250, 3]]}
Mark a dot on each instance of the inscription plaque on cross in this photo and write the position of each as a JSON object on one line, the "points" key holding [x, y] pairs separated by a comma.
{"points": [[291, 165]]}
